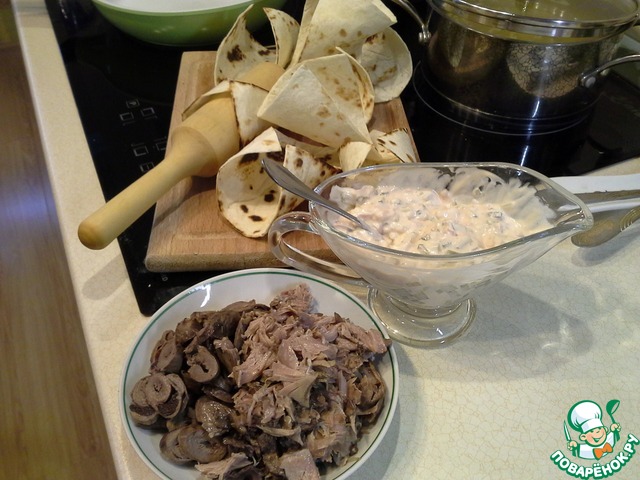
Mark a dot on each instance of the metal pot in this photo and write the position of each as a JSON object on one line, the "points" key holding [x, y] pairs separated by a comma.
{"points": [[518, 64]]}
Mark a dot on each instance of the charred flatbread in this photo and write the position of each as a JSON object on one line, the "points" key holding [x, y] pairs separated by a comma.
{"points": [[285, 31], [328, 25], [247, 197], [327, 99], [387, 60], [239, 51]]}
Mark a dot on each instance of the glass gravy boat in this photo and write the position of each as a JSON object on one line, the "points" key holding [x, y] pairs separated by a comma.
{"points": [[426, 299]]}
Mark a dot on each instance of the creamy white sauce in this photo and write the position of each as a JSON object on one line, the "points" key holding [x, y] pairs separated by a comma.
{"points": [[461, 209], [424, 220]]}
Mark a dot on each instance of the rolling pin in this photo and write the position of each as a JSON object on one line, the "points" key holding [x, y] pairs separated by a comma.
{"points": [[197, 147]]}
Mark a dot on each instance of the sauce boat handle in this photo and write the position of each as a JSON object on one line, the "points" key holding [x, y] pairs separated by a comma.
{"points": [[288, 254]]}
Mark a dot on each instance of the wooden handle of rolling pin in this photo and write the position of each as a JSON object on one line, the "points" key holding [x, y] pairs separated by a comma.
{"points": [[199, 146]]}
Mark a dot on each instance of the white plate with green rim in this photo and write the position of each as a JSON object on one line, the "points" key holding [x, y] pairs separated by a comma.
{"points": [[261, 285]]}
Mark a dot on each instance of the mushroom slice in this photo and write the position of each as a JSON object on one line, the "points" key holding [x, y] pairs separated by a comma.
{"points": [[187, 329], [203, 364], [157, 389], [142, 412], [227, 353], [181, 420], [221, 388], [163, 394], [197, 445], [145, 416], [178, 400], [138, 393], [219, 395], [214, 416], [170, 448], [226, 320], [167, 354]]}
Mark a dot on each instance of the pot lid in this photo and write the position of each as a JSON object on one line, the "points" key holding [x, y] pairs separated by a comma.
{"points": [[579, 19]]}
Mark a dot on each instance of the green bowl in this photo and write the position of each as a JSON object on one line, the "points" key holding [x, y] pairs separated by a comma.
{"points": [[183, 23]]}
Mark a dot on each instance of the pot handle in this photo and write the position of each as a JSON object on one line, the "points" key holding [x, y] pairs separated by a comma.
{"points": [[589, 79], [424, 35]]}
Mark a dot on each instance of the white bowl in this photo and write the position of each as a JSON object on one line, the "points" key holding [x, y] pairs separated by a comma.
{"points": [[261, 285]]}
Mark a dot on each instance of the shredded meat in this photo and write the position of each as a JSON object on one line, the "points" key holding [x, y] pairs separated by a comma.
{"points": [[267, 391]]}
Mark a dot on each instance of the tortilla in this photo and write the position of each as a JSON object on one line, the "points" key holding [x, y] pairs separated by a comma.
{"points": [[285, 30], [360, 28], [330, 24], [327, 99], [239, 51], [247, 99], [387, 60], [353, 155], [393, 146], [221, 89], [340, 60], [248, 198], [367, 90]]}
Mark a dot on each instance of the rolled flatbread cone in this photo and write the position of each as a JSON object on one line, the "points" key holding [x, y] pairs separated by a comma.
{"points": [[392, 146], [328, 100], [387, 60], [247, 197], [239, 51], [367, 90], [330, 24], [247, 99], [353, 155], [221, 89], [285, 30], [263, 75]]}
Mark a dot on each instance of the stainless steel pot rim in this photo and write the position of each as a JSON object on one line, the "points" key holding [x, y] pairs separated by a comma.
{"points": [[479, 13]]}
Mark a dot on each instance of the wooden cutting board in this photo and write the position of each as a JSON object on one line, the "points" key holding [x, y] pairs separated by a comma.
{"points": [[188, 232]]}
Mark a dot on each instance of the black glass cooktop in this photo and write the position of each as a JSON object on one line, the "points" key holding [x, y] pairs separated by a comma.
{"points": [[124, 93]]}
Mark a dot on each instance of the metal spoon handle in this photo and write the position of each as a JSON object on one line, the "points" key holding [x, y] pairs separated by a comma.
{"points": [[606, 226], [610, 200], [293, 184]]}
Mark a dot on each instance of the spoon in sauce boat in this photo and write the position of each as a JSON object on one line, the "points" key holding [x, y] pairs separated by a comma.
{"points": [[287, 180]]}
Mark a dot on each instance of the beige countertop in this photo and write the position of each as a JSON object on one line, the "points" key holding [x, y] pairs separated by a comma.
{"points": [[492, 405]]}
